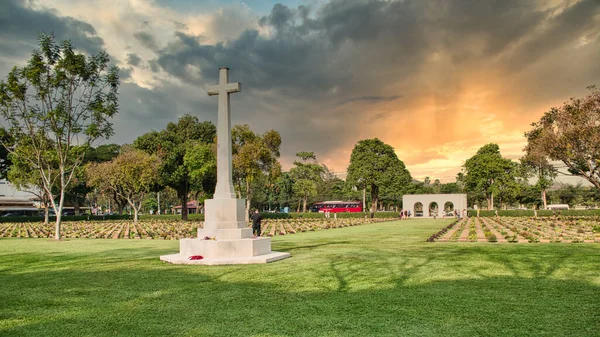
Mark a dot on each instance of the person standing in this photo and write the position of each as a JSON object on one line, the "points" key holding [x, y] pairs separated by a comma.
{"points": [[256, 219]]}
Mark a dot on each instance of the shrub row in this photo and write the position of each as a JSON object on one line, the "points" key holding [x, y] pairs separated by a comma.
{"points": [[6, 219], [195, 217], [540, 213], [442, 232]]}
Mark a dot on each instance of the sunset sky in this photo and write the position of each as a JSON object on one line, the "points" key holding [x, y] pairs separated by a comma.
{"points": [[435, 79]]}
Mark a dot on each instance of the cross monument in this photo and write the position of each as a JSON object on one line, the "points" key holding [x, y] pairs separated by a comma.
{"points": [[225, 237], [224, 189]]}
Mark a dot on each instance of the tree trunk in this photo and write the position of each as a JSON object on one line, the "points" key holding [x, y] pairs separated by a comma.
{"points": [[77, 208], [492, 200], [304, 204], [58, 212], [184, 205], [544, 198], [374, 199], [46, 213], [248, 200], [364, 199], [135, 214]]}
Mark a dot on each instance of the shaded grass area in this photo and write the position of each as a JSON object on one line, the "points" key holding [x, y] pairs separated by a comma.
{"points": [[379, 280]]}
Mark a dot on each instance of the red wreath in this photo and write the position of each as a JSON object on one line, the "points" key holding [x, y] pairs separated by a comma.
{"points": [[196, 257]]}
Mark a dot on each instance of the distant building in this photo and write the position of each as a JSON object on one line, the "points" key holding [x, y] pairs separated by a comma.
{"points": [[16, 202], [426, 205], [192, 207]]}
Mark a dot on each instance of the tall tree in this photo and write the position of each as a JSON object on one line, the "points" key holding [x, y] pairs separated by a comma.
{"points": [[535, 163], [201, 163], [489, 173], [171, 145], [254, 156], [59, 98], [132, 175], [331, 187], [374, 164], [571, 134], [306, 174]]}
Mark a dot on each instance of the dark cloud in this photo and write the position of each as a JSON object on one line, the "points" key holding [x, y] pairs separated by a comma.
{"points": [[125, 73], [326, 77], [147, 40], [133, 59], [371, 99], [315, 61], [20, 27]]}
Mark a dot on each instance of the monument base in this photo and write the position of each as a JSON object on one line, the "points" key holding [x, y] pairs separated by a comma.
{"points": [[224, 239], [266, 258], [215, 252]]}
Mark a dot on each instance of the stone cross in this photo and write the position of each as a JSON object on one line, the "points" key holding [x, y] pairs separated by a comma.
{"points": [[224, 189]]}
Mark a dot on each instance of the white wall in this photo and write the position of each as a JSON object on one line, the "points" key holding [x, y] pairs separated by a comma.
{"points": [[8, 190], [459, 202]]}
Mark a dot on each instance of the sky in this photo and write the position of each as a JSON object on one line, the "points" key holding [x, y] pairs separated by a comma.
{"points": [[435, 79]]}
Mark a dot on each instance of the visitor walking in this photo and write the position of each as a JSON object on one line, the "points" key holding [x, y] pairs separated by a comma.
{"points": [[256, 219]]}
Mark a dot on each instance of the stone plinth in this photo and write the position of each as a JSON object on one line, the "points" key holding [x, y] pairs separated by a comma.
{"points": [[229, 238], [214, 252]]}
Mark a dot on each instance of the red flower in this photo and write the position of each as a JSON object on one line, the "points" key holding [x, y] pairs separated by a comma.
{"points": [[196, 257]]}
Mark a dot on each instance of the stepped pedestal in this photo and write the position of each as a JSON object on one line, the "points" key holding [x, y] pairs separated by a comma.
{"points": [[233, 242]]}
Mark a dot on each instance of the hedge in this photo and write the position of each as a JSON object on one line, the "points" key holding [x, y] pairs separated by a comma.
{"points": [[530, 213], [38, 218], [194, 217]]}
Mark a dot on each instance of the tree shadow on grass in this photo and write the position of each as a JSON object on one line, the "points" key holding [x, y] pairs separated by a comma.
{"points": [[291, 246], [68, 296], [176, 303]]}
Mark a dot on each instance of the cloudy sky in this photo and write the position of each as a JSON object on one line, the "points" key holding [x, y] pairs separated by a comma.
{"points": [[435, 79]]}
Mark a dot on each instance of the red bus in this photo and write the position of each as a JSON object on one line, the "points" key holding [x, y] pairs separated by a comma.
{"points": [[337, 206]]}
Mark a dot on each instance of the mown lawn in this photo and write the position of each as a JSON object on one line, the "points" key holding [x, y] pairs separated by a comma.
{"points": [[378, 280]]}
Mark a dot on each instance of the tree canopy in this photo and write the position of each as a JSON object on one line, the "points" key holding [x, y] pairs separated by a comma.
{"points": [[58, 100], [571, 134], [131, 175], [255, 156], [487, 172], [374, 164], [306, 174], [171, 145]]}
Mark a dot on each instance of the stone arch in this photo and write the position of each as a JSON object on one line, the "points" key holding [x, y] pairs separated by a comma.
{"points": [[433, 208], [418, 209], [449, 207]]}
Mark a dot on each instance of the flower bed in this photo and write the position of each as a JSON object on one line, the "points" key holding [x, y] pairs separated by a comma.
{"points": [[164, 229], [522, 230]]}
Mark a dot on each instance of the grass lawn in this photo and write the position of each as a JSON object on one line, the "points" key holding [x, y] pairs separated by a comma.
{"points": [[379, 280]]}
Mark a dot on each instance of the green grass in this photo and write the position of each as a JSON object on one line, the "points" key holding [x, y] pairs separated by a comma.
{"points": [[379, 280]]}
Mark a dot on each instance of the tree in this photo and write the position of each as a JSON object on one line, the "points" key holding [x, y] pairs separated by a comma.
{"points": [[201, 164], [535, 163], [451, 188], [132, 175], [254, 156], [374, 164], [487, 172], [59, 98], [306, 173], [571, 134], [284, 189], [330, 187], [171, 145]]}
